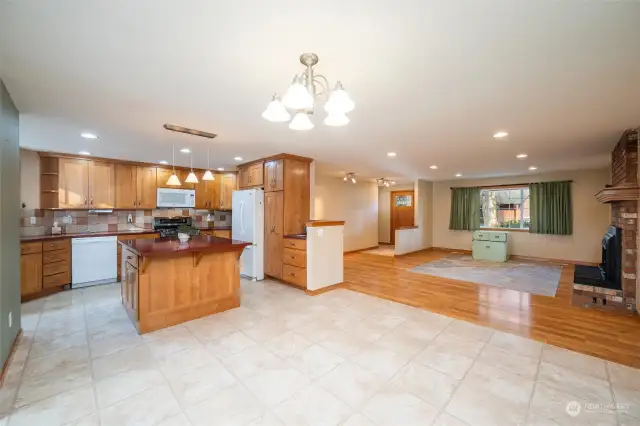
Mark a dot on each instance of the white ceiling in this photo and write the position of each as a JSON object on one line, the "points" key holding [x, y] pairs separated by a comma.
{"points": [[432, 80]]}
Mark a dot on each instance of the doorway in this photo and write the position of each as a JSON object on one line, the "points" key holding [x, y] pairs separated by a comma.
{"points": [[401, 210]]}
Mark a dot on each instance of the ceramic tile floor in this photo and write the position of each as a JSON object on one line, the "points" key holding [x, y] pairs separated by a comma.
{"points": [[285, 358]]}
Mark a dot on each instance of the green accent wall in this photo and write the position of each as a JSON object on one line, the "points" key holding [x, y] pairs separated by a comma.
{"points": [[9, 223]]}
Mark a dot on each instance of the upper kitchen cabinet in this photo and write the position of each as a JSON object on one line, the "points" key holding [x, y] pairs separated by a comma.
{"points": [[135, 186], [102, 185], [273, 176], [73, 183], [206, 191], [228, 184], [251, 175], [164, 175]]}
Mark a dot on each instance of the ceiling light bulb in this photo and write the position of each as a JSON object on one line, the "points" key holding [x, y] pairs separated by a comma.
{"points": [[458, 174], [84, 153], [185, 151], [173, 180], [163, 162], [393, 182], [335, 119], [521, 156], [339, 101], [297, 96], [88, 135], [276, 112], [237, 158], [353, 180], [220, 169], [345, 179], [208, 175], [191, 178], [533, 168], [500, 134], [391, 154], [434, 167], [301, 122]]}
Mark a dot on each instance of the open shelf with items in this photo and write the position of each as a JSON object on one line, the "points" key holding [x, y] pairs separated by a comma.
{"points": [[49, 182]]}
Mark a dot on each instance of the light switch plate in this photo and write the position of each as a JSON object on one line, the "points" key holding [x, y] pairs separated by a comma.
{"points": [[32, 220]]}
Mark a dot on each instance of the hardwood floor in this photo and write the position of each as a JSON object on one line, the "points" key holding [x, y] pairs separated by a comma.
{"points": [[551, 320]]}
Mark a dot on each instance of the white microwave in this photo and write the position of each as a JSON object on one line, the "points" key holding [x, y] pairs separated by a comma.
{"points": [[170, 197]]}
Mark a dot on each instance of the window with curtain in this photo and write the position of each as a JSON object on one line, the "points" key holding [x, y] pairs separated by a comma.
{"points": [[505, 208], [465, 209], [551, 208]]}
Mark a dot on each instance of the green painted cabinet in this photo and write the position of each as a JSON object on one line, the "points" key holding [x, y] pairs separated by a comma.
{"points": [[490, 245]]}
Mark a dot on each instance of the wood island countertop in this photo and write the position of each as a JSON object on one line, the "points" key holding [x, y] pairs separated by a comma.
{"points": [[169, 247]]}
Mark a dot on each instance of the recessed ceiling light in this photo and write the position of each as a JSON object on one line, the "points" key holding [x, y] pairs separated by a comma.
{"points": [[533, 168], [521, 156], [458, 174], [88, 135], [433, 167], [393, 182], [84, 153], [237, 158], [220, 169], [391, 154], [500, 134], [185, 150], [163, 162]]}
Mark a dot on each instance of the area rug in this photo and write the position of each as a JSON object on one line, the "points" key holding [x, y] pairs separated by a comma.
{"points": [[530, 277]]}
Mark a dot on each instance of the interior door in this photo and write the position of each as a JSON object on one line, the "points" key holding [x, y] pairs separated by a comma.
{"points": [[146, 187], [402, 205], [73, 188], [102, 185], [125, 186], [273, 228]]}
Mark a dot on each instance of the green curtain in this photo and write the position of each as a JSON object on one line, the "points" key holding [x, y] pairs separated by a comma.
{"points": [[465, 209], [551, 211]]}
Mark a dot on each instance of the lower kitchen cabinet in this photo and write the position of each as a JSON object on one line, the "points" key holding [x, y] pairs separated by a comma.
{"points": [[44, 265], [31, 272]]}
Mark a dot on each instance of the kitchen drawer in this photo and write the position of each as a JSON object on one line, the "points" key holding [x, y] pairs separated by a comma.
{"points": [[55, 268], [207, 232], [55, 256], [222, 233], [498, 236], [294, 275], [56, 280], [28, 248], [495, 251], [481, 236], [56, 245], [294, 257], [295, 243]]}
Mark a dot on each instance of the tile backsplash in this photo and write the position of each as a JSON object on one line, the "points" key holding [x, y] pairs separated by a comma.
{"points": [[83, 220]]}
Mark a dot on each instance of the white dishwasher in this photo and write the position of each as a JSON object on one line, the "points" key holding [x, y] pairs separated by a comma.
{"points": [[94, 260]]}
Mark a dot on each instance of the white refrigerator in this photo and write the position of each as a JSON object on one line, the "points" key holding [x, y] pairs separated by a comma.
{"points": [[248, 225]]}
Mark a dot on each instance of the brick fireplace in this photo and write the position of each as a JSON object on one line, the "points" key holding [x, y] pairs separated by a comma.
{"points": [[624, 196]]}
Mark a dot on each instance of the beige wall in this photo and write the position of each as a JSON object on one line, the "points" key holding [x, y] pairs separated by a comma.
{"points": [[420, 238], [384, 210], [30, 179], [356, 204], [590, 218]]}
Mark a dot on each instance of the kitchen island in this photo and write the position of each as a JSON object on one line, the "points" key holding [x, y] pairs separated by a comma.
{"points": [[165, 282]]}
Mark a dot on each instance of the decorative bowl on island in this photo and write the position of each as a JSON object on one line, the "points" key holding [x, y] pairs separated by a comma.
{"points": [[183, 237]]}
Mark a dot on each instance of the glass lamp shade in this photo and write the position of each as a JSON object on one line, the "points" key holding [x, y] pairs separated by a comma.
{"points": [[173, 180], [301, 122], [276, 112], [208, 175], [339, 101], [297, 96], [336, 119], [191, 178]]}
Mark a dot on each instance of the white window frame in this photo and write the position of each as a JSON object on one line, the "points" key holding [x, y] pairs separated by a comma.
{"points": [[484, 192]]}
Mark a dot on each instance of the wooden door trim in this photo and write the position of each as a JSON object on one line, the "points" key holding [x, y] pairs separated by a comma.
{"points": [[391, 208]]}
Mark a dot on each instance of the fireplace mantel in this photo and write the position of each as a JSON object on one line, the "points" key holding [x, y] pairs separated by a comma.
{"points": [[618, 193]]}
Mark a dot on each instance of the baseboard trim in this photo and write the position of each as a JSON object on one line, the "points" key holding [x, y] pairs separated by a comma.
{"points": [[451, 250], [384, 244], [362, 249], [324, 289], [10, 357]]}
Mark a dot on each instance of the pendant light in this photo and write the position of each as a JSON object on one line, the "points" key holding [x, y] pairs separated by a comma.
{"points": [[191, 178], [173, 179], [208, 175]]}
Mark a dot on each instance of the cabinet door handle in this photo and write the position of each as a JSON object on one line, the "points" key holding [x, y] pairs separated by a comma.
{"points": [[293, 257], [91, 202], [134, 203], [85, 200], [293, 274]]}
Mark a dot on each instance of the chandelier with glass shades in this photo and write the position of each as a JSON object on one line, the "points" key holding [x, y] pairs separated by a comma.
{"points": [[301, 96], [384, 182]]}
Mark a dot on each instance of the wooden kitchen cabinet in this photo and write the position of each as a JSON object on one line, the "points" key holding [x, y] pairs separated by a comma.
{"points": [[73, 183], [30, 268], [273, 176], [243, 177], [251, 175], [297, 200], [205, 193], [146, 187], [222, 233], [273, 232], [126, 188], [228, 184], [163, 176], [102, 185]]}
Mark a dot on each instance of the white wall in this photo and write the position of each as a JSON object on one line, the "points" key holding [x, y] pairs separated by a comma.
{"points": [[356, 204], [384, 210], [420, 238], [30, 179], [590, 218]]}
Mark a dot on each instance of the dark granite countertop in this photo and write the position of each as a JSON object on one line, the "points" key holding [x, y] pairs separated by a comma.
{"points": [[48, 237], [167, 247], [297, 236], [215, 228]]}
